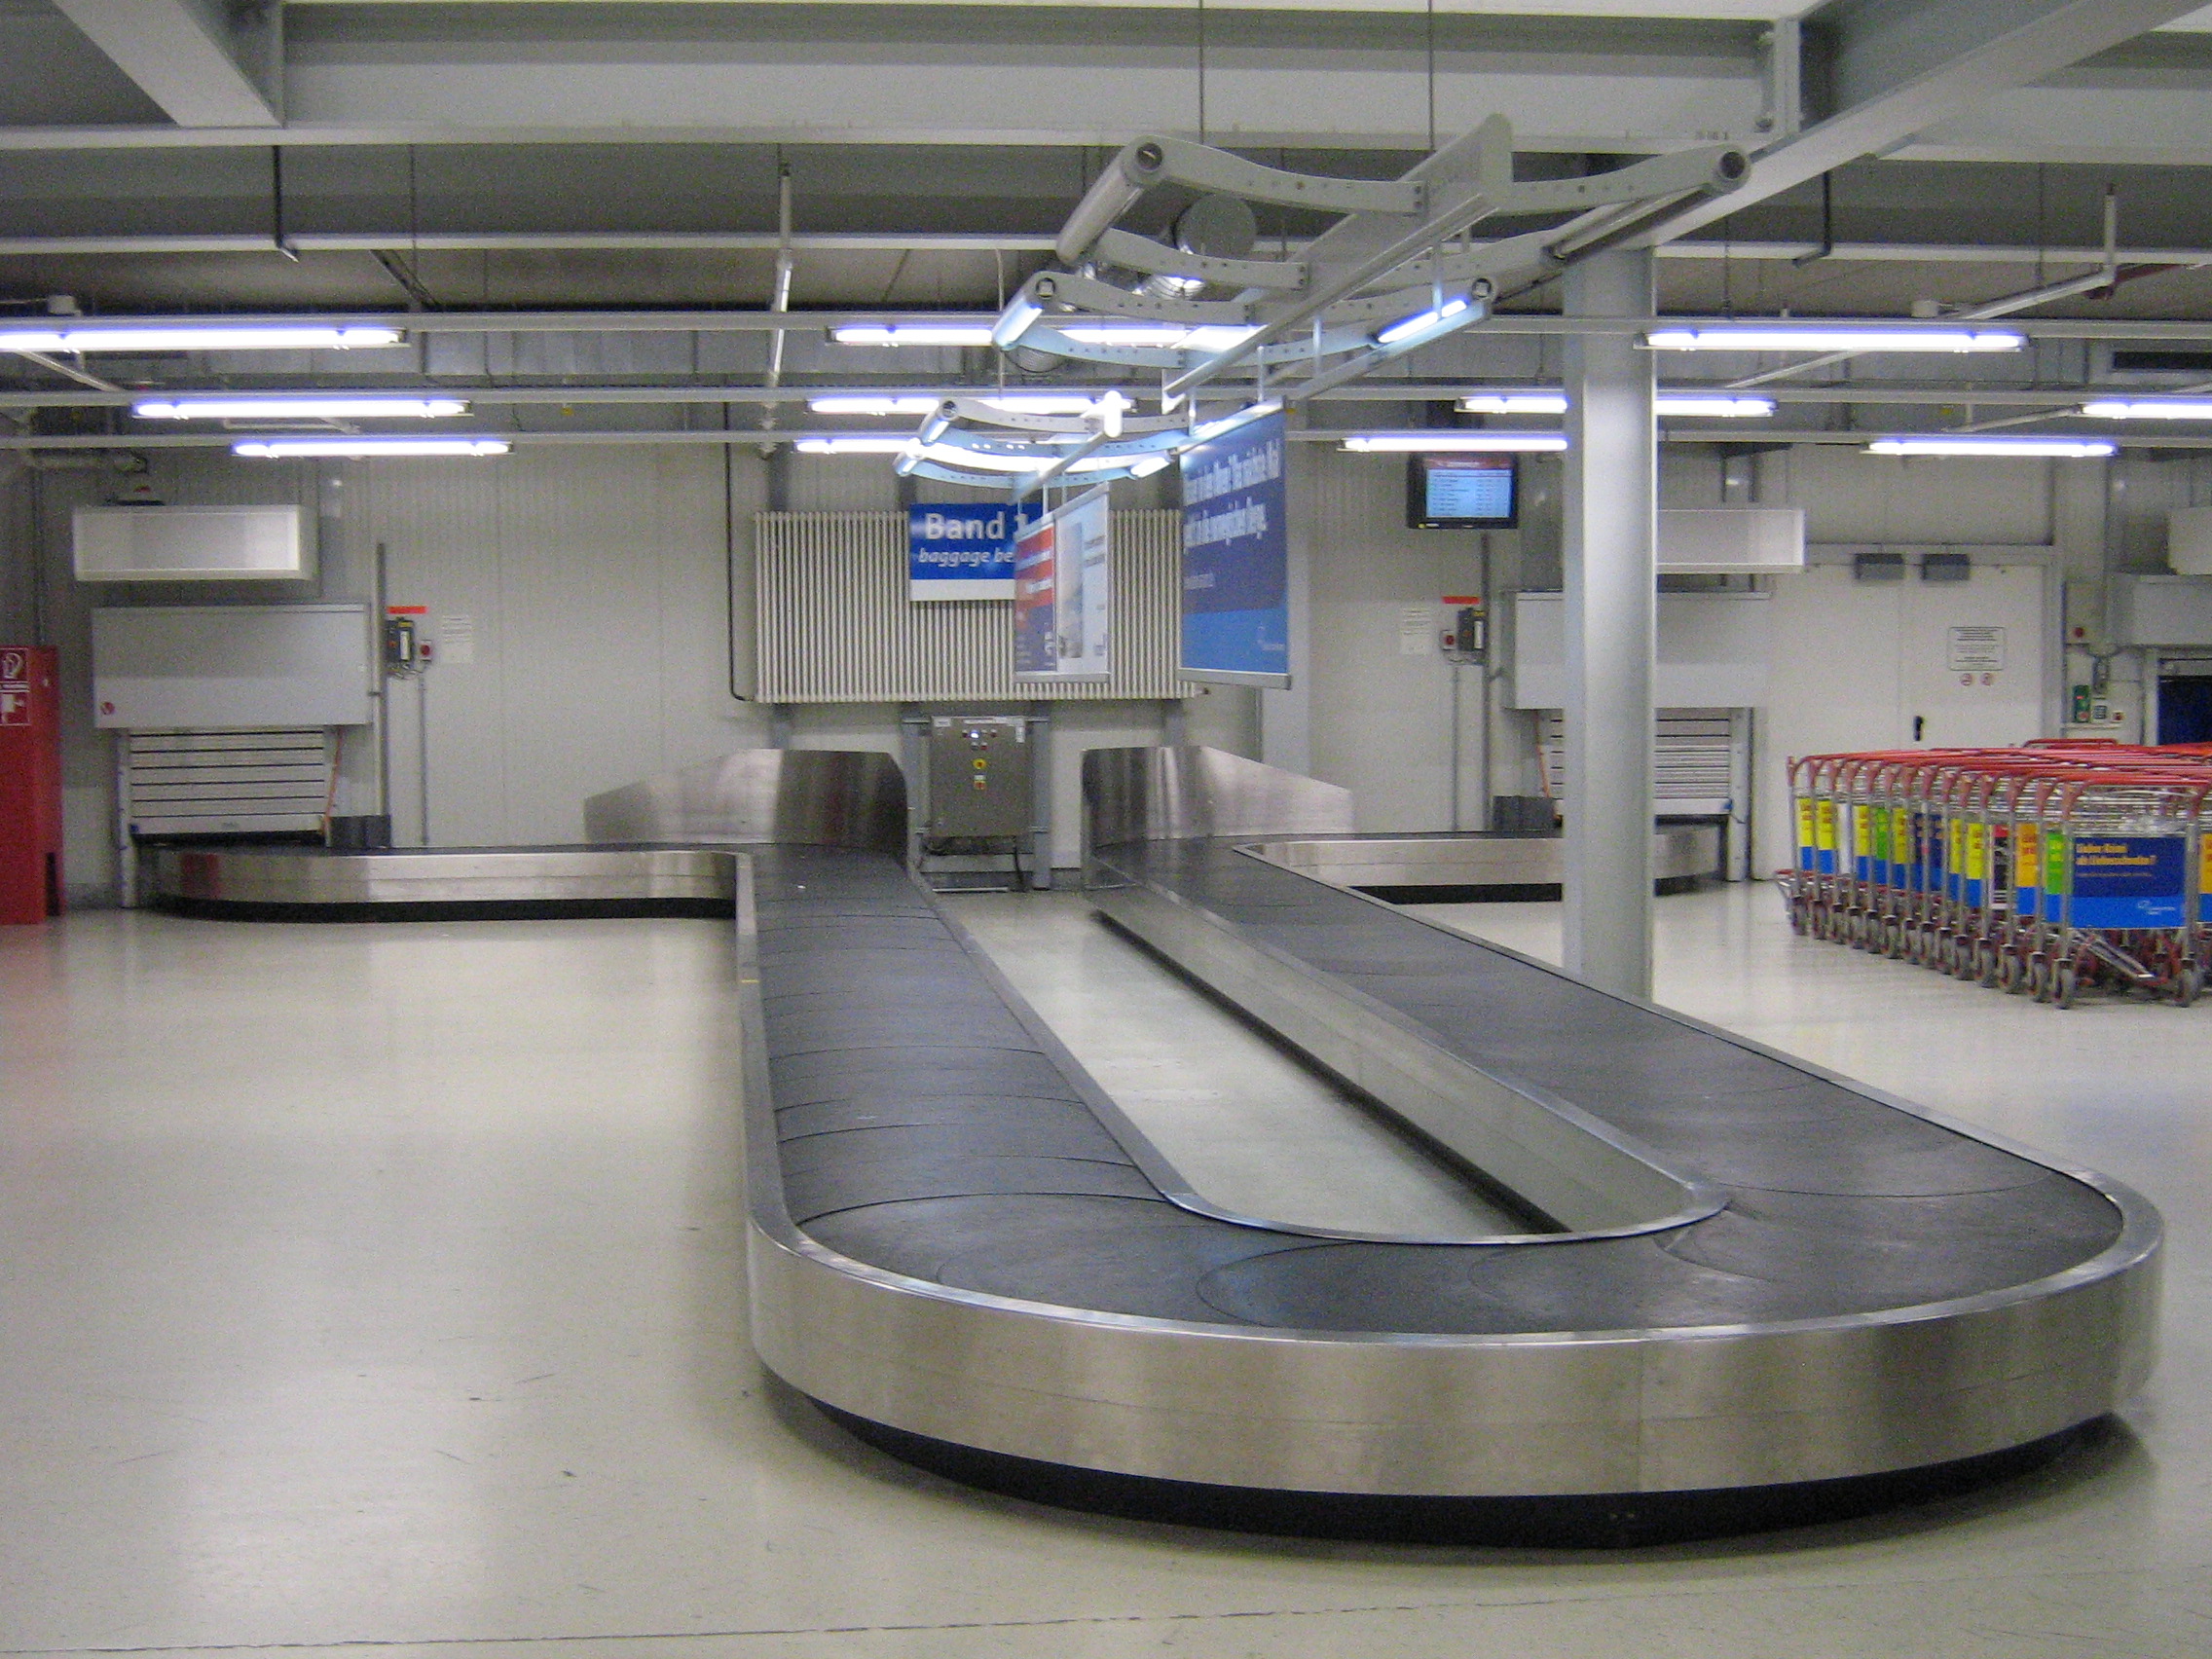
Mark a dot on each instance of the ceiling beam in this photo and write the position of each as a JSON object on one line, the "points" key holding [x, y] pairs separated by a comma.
{"points": [[777, 439], [2048, 396], [1888, 69], [933, 241], [740, 321], [205, 63]]}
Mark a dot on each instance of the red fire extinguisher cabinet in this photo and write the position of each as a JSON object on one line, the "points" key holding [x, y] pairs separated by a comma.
{"points": [[30, 785]]}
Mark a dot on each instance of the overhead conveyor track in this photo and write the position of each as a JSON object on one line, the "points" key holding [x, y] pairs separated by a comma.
{"points": [[1752, 1293]]}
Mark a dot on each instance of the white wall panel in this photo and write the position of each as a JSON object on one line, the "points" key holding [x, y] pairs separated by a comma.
{"points": [[593, 583], [1381, 689], [1852, 496]]}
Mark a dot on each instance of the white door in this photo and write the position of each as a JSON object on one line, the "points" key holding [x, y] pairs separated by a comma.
{"points": [[1974, 659], [1891, 665]]}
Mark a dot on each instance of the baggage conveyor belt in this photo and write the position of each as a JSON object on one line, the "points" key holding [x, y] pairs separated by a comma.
{"points": [[1748, 1293]]}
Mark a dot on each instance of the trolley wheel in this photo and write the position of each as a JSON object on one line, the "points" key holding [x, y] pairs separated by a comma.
{"points": [[2038, 979], [2008, 973], [2189, 986], [2066, 984], [1988, 963]]}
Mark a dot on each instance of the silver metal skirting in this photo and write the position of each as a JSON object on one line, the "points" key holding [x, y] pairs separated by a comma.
{"points": [[1678, 852], [521, 876]]}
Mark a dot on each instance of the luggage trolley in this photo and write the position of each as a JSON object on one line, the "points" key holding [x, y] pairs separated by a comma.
{"points": [[2118, 897], [2048, 867], [1811, 886], [1988, 794]]}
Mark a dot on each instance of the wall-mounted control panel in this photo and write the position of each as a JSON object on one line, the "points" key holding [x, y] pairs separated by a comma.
{"points": [[979, 777]]}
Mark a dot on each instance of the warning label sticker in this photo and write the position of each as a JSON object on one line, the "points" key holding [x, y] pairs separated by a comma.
{"points": [[15, 688], [1977, 650]]}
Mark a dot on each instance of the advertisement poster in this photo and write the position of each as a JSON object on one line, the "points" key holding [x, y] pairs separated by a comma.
{"points": [[2117, 881], [1036, 612], [961, 549], [1063, 593], [1236, 558]]}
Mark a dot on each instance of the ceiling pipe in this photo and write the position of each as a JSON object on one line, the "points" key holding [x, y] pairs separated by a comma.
{"points": [[2107, 275], [780, 297]]}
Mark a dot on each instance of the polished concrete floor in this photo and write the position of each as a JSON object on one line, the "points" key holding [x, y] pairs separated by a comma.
{"points": [[379, 1287]]}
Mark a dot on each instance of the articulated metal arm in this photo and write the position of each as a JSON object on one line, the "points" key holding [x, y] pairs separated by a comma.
{"points": [[1378, 282]]}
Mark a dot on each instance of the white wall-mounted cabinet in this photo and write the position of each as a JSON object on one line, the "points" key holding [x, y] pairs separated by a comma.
{"points": [[193, 544], [2189, 540], [2162, 610], [1731, 541]]}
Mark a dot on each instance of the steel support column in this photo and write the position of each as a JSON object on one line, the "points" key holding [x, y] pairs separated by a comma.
{"points": [[1612, 617]]}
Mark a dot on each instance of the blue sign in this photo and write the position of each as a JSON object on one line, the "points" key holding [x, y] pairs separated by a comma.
{"points": [[961, 549], [1236, 558], [2119, 881]]}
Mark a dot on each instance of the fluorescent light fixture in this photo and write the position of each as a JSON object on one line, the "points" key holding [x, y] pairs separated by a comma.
{"points": [[1144, 466], [912, 334], [1441, 442], [2064, 448], [1828, 337], [282, 449], [2170, 409], [872, 405], [300, 408], [852, 446], [270, 337], [1251, 412], [1013, 322], [1717, 407], [1514, 404], [1412, 330], [934, 424]]}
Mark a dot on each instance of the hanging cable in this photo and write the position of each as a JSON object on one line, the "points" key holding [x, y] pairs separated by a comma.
{"points": [[1431, 21], [1201, 71]]}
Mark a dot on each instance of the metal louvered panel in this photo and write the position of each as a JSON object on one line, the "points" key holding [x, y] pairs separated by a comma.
{"points": [[232, 782], [833, 623], [1693, 754]]}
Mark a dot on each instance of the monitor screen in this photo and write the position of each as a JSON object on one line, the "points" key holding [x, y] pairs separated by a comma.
{"points": [[1461, 492]]}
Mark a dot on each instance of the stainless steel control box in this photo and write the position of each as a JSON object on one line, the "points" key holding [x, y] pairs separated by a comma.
{"points": [[979, 777]]}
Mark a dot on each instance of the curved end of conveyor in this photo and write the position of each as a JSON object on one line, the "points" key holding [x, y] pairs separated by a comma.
{"points": [[1769, 1297], [1608, 1521], [1879, 1307]]}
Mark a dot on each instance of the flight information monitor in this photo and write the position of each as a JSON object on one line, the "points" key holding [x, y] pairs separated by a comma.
{"points": [[1461, 492]]}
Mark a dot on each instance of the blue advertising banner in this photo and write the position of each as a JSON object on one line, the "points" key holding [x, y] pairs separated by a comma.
{"points": [[1236, 558], [2119, 881], [961, 549]]}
